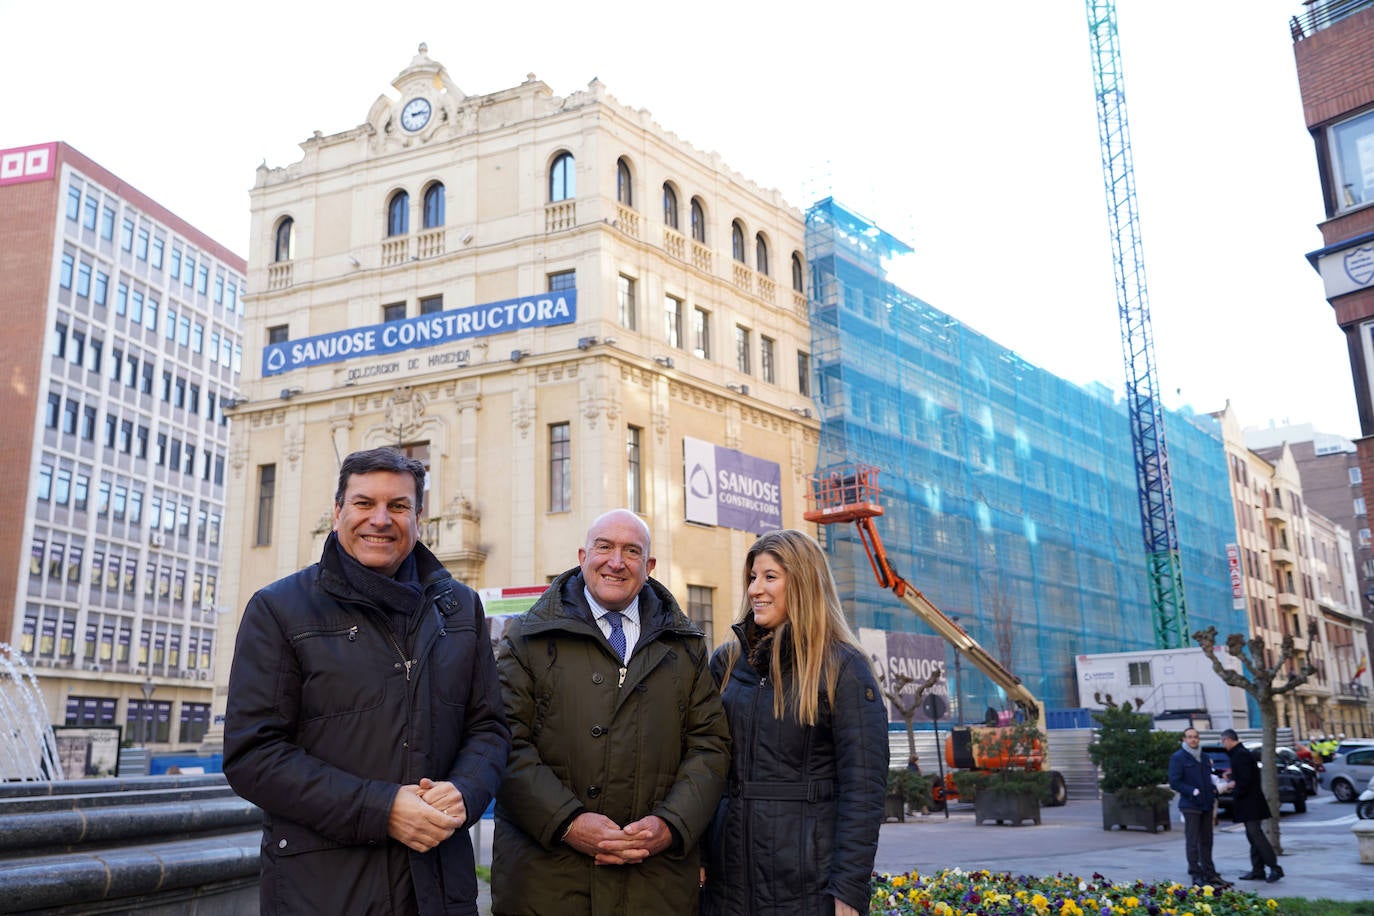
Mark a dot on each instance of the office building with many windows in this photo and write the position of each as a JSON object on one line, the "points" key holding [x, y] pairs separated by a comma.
{"points": [[121, 349]]}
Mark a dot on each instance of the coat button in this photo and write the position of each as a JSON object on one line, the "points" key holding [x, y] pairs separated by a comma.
{"points": [[593, 791], [281, 844], [598, 731], [597, 678]]}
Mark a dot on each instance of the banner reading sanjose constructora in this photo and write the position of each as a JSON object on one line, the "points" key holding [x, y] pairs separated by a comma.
{"points": [[731, 489], [913, 655], [425, 331]]}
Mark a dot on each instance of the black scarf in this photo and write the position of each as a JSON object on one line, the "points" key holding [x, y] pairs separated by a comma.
{"points": [[399, 597]]}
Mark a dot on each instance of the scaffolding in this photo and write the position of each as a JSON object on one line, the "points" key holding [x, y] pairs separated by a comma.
{"points": [[1009, 494]]}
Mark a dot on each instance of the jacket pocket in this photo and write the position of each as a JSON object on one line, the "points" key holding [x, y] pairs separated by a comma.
{"points": [[334, 666], [451, 665]]}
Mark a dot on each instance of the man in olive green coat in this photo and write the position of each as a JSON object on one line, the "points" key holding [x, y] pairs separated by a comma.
{"points": [[620, 746]]}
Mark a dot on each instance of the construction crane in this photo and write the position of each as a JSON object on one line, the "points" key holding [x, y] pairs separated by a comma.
{"points": [[850, 493], [1137, 340]]}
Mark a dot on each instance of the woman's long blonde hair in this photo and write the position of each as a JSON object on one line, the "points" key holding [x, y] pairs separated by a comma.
{"points": [[815, 626]]}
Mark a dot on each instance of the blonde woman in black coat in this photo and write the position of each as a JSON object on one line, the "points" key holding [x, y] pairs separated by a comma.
{"points": [[797, 830]]}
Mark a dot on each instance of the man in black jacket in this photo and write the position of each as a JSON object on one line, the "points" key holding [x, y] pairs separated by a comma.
{"points": [[1190, 775], [364, 714], [1250, 807]]}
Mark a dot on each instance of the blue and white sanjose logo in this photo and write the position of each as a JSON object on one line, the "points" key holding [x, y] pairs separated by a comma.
{"points": [[425, 331]]}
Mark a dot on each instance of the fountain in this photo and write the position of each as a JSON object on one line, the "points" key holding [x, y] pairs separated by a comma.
{"points": [[28, 748]]}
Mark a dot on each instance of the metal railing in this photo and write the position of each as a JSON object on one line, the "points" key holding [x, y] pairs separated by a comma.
{"points": [[1322, 14]]}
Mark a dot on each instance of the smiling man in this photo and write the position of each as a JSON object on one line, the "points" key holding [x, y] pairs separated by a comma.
{"points": [[619, 743], [364, 714]]}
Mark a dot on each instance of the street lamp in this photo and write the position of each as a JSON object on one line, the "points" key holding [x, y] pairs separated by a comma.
{"points": [[145, 716]]}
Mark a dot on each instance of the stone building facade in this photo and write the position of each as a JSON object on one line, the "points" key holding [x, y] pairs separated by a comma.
{"points": [[557, 305]]}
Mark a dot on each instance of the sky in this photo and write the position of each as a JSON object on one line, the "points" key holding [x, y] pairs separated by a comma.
{"points": [[973, 139]]}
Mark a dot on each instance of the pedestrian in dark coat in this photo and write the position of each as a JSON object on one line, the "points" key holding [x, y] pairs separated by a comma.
{"points": [[620, 745], [1251, 808], [364, 715], [797, 831], [1190, 775]]}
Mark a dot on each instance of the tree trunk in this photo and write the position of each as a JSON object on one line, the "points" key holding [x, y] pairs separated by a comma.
{"points": [[1269, 774]]}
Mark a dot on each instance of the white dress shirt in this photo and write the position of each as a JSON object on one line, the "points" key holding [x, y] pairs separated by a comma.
{"points": [[629, 622]]}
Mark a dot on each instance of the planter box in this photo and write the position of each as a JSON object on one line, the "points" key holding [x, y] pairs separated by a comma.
{"points": [[1147, 817], [894, 806], [1001, 806]]}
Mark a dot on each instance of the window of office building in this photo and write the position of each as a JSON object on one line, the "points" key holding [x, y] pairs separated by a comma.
{"points": [[624, 185], [634, 470], [431, 304], [698, 221], [742, 348], [560, 467], [561, 280], [394, 311], [285, 248], [766, 369], [804, 373], [398, 214], [669, 206], [625, 297], [267, 491], [672, 321], [562, 179], [701, 332], [278, 333], [761, 254], [700, 608], [434, 206], [1352, 149]]}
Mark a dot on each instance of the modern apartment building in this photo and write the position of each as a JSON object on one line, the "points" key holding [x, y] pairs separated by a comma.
{"points": [[1332, 485], [1296, 571], [1333, 45], [121, 348], [557, 305]]}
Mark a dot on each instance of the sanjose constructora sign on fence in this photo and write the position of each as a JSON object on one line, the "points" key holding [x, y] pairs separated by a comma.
{"points": [[425, 331]]}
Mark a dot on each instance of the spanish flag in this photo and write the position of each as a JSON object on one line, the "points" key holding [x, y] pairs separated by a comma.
{"points": [[1364, 663]]}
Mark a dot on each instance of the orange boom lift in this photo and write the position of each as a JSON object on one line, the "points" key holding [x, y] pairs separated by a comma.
{"points": [[850, 493]]}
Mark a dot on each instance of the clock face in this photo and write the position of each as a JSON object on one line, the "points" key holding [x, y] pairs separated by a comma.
{"points": [[415, 115]]}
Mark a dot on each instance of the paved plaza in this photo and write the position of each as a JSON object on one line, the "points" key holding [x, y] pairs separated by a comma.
{"points": [[1321, 855]]}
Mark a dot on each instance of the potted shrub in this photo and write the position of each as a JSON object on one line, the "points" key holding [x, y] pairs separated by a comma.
{"points": [[907, 790], [1134, 760], [1006, 791]]}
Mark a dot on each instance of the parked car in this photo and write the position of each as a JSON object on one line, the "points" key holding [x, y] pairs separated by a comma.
{"points": [[1292, 782], [1311, 773], [1346, 774]]}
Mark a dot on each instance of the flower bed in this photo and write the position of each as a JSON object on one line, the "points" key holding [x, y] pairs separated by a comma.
{"points": [[954, 892]]}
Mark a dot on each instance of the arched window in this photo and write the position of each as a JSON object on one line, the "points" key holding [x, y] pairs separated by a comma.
{"points": [[761, 254], [798, 277], [562, 182], [398, 214], [669, 206], [286, 240], [737, 241], [698, 222], [434, 205], [624, 191]]}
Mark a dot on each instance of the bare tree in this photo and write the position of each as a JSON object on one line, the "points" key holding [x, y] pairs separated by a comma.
{"points": [[895, 686], [1003, 623], [1268, 680]]}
